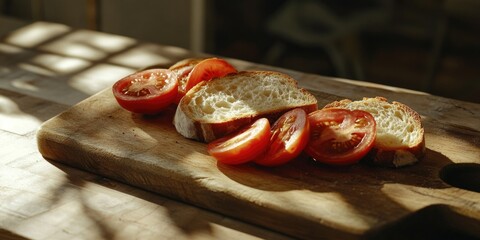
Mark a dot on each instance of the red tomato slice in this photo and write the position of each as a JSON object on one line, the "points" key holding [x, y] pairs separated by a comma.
{"points": [[183, 69], [340, 136], [183, 74], [148, 92], [290, 135], [242, 146], [206, 70]]}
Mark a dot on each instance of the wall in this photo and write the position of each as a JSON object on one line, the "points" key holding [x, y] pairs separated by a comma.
{"points": [[160, 21]]}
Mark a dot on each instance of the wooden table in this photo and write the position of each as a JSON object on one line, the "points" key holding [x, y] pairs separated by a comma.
{"points": [[46, 68]]}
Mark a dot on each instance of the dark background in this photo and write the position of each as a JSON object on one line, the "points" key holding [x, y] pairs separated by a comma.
{"points": [[429, 46], [426, 45]]}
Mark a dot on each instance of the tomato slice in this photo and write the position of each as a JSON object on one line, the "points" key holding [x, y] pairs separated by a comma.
{"points": [[289, 136], [183, 69], [205, 70], [340, 136], [242, 146], [148, 92]]}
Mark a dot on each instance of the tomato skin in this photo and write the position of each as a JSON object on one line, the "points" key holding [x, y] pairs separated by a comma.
{"points": [[146, 92], [340, 136], [183, 69], [206, 70], [192, 71], [242, 146], [182, 79], [289, 136]]}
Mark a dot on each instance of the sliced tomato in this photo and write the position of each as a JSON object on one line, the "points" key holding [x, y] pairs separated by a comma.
{"points": [[340, 136], [242, 146], [289, 136], [205, 70], [183, 69], [148, 92]]}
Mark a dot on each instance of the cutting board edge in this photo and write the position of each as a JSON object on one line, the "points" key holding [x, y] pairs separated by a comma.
{"points": [[219, 202], [48, 135]]}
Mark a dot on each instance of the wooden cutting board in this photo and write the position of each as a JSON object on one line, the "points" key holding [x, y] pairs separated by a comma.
{"points": [[301, 199]]}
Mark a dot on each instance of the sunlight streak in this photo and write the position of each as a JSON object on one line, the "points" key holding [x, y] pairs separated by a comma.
{"points": [[98, 78], [35, 34], [175, 51], [88, 45], [335, 206], [414, 197], [25, 82], [76, 50], [9, 49], [34, 69], [106, 42], [142, 56], [13, 119], [59, 64]]}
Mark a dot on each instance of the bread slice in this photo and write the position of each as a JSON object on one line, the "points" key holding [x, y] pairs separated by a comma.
{"points": [[400, 137], [215, 108]]}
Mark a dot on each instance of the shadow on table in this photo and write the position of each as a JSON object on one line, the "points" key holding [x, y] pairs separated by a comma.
{"points": [[186, 218], [365, 189], [7, 235]]}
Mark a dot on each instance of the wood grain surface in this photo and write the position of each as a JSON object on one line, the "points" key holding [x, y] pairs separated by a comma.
{"points": [[40, 77], [41, 200], [300, 199], [43, 73]]}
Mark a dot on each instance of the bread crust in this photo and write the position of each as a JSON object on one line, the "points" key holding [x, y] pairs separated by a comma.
{"points": [[398, 156], [206, 131]]}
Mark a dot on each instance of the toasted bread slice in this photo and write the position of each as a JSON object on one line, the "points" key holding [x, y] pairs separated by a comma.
{"points": [[400, 137], [215, 108]]}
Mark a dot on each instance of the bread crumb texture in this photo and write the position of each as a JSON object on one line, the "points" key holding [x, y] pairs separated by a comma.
{"points": [[397, 125], [245, 94]]}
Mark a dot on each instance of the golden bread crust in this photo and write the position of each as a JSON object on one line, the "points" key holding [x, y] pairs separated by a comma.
{"points": [[207, 130], [383, 154]]}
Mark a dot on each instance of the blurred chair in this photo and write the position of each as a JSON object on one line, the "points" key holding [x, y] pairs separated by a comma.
{"points": [[427, 22], [445, 12], [333, 25]]}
